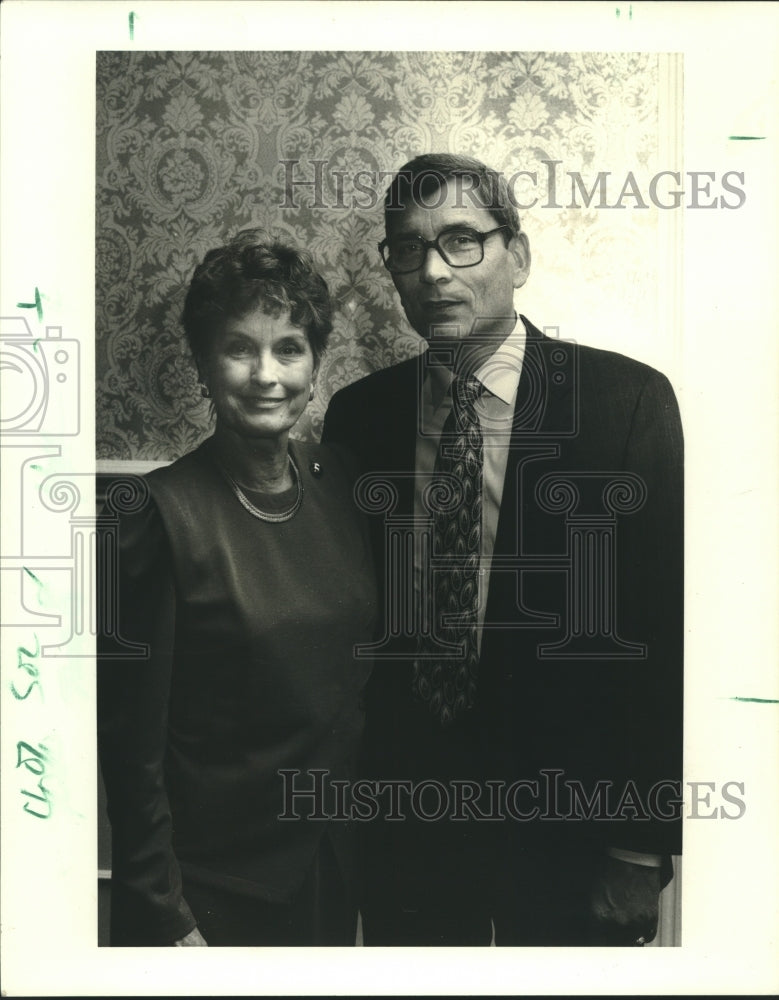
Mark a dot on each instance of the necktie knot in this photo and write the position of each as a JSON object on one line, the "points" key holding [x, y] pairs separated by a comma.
{"points": [[466, 389], [463, 423]]}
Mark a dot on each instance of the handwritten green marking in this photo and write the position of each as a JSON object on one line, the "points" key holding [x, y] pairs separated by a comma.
{"points": [[617, 13], [759, 701], [131, 20], [23, 656], [41, 585], [745, 138], [46, 797], [630, 13], [27, 652], [36, 467], [37, 305]]}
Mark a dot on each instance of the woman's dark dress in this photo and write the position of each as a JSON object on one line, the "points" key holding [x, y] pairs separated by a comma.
{"points": [[251, 628]]}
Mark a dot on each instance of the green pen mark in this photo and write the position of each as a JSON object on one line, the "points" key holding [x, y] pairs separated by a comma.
{"points": [[37, 305], [33, 466], [131, 20], [745, 138], [41, 585], [23, 658], [759, 701]]}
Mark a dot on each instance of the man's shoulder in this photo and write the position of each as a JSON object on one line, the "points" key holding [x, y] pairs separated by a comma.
{"points": [[594, 361], [606, 382], [379, 389], [382, 380], [610, 366], [613, 387], [375, 408]]}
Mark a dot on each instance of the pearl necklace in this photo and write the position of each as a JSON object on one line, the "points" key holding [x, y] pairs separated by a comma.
{"points": [[263, 515]]}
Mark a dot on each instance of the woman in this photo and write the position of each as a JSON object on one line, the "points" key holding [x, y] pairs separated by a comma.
{"points": [[248, 577]]}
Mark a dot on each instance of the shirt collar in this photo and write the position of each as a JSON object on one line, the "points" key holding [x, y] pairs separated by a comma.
{"points": [[499, 375]]}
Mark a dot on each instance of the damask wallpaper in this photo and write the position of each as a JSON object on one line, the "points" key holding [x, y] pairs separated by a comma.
{"points": [[192, 147]]}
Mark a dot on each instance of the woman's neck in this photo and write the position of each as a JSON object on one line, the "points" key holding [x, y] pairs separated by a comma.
{"points": [[260, 464]]}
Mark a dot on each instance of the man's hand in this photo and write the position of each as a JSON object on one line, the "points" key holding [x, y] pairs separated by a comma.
{"points": [[192, 940], [624, 903]]}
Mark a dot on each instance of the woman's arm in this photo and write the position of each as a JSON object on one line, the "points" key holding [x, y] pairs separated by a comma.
{"points": [[147, 906]]}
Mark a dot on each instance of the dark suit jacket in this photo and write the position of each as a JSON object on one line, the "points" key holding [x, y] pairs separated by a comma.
{"points": [[581, 660]]}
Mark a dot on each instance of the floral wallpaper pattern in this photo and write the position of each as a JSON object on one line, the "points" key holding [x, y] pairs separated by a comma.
{"points": [[191, 148]]}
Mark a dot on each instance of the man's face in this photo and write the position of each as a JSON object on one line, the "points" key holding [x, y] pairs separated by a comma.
{"points": [[450, 303]]}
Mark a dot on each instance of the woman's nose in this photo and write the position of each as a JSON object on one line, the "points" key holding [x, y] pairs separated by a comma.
{"points": [[264, 368]]}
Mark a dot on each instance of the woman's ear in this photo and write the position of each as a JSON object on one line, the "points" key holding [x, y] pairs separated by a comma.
{"points": [[202, 377]]}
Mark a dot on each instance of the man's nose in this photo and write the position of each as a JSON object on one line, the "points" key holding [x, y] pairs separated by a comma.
{"points": [[434, 268]]}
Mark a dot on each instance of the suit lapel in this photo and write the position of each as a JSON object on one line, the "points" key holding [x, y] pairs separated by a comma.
{"points": [[545, 416]]}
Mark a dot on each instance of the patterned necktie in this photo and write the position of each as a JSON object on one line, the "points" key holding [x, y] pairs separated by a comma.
{"points": [[447, 683]]}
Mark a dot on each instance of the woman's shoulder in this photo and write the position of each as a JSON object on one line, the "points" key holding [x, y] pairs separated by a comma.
{"points": [[188, 467], [182, 493], [138, 530]]}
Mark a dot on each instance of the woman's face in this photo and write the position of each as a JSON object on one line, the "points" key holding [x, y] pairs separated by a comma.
{"points": [[259, 371]]}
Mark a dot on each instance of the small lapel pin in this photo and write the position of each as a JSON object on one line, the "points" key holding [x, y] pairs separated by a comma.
{"points": [[316, 469]]}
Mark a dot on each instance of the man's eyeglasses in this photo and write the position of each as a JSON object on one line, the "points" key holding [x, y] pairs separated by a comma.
{"points": [[458, 247]]}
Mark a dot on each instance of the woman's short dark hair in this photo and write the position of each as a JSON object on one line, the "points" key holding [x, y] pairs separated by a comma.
{"points": [[254, 272], [425, 175]]}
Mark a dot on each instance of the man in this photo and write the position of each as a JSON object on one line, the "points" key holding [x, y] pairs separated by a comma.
{"points": [[529, 677]]}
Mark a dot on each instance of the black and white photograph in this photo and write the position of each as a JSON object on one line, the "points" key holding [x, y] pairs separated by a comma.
{"points": [[388, 499]]}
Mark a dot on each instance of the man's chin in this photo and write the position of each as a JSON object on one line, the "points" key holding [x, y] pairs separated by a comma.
{"points": [[440, 332]]}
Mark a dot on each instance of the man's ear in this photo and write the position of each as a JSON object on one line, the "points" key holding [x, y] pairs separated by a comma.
{"points": [[519, 248]]}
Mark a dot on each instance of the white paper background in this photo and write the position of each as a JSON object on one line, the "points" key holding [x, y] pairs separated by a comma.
{"points": [[726, 380]]}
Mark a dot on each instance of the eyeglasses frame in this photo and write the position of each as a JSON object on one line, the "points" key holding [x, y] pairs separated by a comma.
{"points": [[427, 245]]}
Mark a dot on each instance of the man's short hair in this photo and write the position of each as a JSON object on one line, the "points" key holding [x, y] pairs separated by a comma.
{"points": [[421, 178]]}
